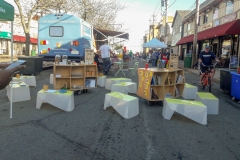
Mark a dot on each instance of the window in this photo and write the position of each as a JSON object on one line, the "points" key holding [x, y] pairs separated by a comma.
{"points": [[188, 26], [56, 31], [205, 18], [180, 29], [87, 31], [215, 13], [229, 7]]}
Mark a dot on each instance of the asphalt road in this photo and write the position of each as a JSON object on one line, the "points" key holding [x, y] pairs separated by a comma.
{"points": [[89, 132]]}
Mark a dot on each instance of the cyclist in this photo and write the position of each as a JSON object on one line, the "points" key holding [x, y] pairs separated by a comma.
{"points": [[205, 59]]}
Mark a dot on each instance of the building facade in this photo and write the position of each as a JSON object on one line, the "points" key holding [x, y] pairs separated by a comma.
{"points": [[177, 33], [18, 37], [219, 23]]}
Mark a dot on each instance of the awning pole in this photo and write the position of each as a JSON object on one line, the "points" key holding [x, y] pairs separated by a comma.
{"points": [[12, 42], [100, 32]]}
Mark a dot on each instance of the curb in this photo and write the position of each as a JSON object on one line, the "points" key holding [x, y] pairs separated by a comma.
{"points": [[189, 70]]}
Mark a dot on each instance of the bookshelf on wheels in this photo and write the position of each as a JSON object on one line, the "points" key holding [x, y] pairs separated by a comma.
{"points": [[77, 78], [156, 84]]}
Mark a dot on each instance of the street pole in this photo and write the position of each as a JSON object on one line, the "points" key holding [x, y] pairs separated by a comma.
{"points": [[166, 19], [194, 52], [153, 24]]}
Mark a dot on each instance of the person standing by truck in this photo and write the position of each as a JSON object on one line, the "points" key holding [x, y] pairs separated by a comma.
{"points": [[105, 53]]}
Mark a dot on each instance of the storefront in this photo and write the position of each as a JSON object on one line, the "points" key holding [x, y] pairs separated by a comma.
{"points": [[5, 37], [223, 39]]}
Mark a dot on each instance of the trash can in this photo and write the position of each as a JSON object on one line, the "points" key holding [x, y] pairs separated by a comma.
{"points": [[34, 65], [187, 61], [235, 91], [225, 80], [33, 53]]}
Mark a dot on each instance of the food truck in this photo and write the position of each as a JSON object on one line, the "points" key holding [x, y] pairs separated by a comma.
{"points": [[64, 34]]}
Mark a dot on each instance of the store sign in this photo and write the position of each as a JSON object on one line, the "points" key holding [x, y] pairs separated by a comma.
{"points": [[229, 18], [2, 10], [206, 26], [216, 23]]}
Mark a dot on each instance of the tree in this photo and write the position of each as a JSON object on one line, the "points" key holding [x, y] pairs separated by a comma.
{"points": [[28, 8], [99, 13]]}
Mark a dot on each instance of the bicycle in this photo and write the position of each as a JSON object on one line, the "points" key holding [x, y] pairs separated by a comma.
{"points": [[207, 80]]}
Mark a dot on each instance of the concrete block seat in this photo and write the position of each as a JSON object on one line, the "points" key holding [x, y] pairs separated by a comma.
{"points": [[209, 100], [125, 87], [101, 81], [63, 101], [189, 91], [29, 80], [127, 106], [193, 110], [20, 92], [111, 81]]}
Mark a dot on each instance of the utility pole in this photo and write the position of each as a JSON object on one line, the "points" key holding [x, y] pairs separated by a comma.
{"points": [[149, 28], [194, 52], [153, 24], [166, 18]]}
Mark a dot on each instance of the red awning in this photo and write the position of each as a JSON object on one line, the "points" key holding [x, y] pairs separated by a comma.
{"points": [[185, 39], [224, 29], [227, 28], [34, 40], [16, 38], [22, 39]]}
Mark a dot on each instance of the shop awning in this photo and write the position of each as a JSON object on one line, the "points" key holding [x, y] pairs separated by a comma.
{"points": [[5, 35], [34, 40], [22, 39], [6, 11], [16, 38], [227, 28], [113, 33], [224, 29], [185, 39]]}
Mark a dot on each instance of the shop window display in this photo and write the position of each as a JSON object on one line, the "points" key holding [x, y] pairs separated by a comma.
{"points": [[226, 48]]}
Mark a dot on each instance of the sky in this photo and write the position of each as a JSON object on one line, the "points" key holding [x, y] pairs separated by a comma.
{"points": [[137, 14]]}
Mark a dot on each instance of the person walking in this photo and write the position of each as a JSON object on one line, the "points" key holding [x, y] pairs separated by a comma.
{"points": [[153, 58], [105, 53]]}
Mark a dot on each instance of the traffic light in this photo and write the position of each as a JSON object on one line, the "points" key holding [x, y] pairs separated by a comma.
{"points": [[124, 48]]}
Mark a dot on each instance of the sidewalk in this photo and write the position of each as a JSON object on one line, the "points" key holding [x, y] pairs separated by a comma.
{"points": [[196, 71]]}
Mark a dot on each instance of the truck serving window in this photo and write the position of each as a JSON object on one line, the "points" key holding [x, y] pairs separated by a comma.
{"points": [[56, 31]]}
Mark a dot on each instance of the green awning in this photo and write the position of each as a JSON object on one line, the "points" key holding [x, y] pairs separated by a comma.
{"points": [[5, 35], [6, 11]]}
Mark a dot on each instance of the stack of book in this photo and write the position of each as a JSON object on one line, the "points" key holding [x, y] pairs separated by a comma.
{"points": [[156, 80], [180, 79]]}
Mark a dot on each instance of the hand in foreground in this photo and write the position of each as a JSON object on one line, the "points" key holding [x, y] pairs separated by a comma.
{"points": [[4, 65], [6, 75]]}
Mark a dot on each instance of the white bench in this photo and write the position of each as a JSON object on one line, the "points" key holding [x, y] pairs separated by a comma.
{"points": [[101, 80], [64, 101], [111, 81], [124, 87], [209, 100], [20, 92], [29, 80], [189, 91], [194, 110], [127, 106]]}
